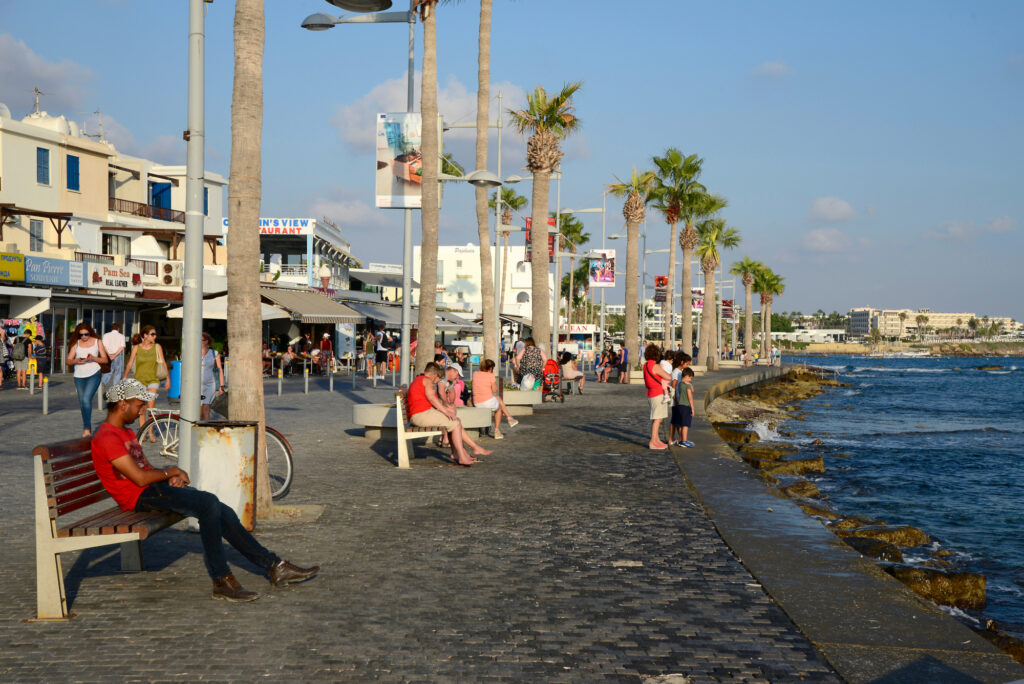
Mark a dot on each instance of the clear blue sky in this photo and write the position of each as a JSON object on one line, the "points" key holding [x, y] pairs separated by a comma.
{"points": [[871, 152]]}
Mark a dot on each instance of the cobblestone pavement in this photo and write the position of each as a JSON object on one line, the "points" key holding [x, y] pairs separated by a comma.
{"points": [[571, 554]]}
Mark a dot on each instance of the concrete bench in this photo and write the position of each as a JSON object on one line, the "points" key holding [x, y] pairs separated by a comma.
{"points": [[405, 430], [65, 483], [520, 402]]}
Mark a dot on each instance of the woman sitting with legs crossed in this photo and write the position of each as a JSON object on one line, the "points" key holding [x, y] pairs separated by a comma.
{"points": [[485, 394]]}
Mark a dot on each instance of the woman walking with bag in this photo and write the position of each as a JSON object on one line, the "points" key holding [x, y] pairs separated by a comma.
{"points": [[149, 363], [86, 354], [213, 378]]}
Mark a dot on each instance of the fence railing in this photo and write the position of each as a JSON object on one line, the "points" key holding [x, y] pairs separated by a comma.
{"points": [[123, 206], [88, 256]]}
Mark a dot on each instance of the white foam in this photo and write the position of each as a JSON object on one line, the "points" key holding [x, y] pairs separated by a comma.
{"points": [[766, 433], [957, 613]]}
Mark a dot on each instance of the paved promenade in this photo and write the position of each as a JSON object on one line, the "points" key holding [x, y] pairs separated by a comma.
{"points": [[571, 554]]}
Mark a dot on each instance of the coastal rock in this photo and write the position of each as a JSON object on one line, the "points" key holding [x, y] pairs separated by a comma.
{"points": [[816, 508], [875, 548], [797, 466], [766, 451], [736, 431], [1006, 643], [801, 488], [817, 442], [900, 535], [989, 367], [854, 521], [842, 455], [958, 589]]}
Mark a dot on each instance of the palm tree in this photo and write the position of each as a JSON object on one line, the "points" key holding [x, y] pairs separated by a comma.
{"points": [[548, 119], [637, 193], [245, 324], [483, 96], [745, 269], [510, 201], [426, 323], [903, 318], [959, 324], [676, 191], [921, 319], [713, 236], [972, 325], [876, 337], [769, 285], [571, 230]]}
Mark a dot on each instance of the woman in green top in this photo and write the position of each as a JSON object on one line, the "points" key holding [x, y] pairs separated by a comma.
{"points": [[146, 354]]}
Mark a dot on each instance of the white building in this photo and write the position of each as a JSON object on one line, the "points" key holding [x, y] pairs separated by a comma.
{"points": [[458, 279]]}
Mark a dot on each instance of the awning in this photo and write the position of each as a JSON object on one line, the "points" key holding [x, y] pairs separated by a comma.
{"points": [[310, 307], [446, 320], [518, 320], [390, 316], [216, 309], [27, 302], [378, 278]]}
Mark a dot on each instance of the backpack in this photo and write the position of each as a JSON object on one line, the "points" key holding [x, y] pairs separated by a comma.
{"points": [[20, 350]]}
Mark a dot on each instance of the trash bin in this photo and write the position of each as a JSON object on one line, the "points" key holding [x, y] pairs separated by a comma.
{"points": [[225, 464], [175, 372]]}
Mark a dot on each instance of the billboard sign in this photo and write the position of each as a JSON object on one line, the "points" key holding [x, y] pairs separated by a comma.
{"points": [[399, 179], [529, 240], [697, 299], [602, 268], [60, 272], [104, 276], [660, 288], [12, 266]]}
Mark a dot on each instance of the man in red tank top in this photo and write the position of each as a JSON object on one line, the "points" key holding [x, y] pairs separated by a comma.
{"points": [[427, 410]]}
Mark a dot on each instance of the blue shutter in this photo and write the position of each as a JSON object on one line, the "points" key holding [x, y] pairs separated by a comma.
{"points": [[72, 172], [42, 165], [206, 201]]}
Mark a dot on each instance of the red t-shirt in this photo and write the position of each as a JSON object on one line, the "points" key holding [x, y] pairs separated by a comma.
{"points": [[110, 443], [417, 397], [652, 381]]}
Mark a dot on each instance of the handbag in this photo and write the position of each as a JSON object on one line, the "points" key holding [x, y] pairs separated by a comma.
{"points": [[161, 370], [104, 367]]}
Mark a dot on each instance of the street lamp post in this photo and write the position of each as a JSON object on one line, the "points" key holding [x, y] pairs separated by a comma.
{"points": [[558, 283], [322, 22]]}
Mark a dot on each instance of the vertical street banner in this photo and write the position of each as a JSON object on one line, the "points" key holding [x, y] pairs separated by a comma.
{"points": [[551, 239], [399, 180], [602, 268], [697, 299], [660, 288]]}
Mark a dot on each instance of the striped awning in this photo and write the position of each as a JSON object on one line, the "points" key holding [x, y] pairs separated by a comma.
{"points": [[310, 307]]}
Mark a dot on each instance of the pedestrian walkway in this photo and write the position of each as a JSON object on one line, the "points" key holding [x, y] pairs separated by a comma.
{"points": [[571, 554]]}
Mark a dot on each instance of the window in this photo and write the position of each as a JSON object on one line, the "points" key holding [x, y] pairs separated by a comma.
{"points": [[440, 271], [117, 244], [35, 235], [206, 201], [523, 298], [521, 267], [42, 166], [160, 195], [458, 263], [460, 297], [73, 173]]}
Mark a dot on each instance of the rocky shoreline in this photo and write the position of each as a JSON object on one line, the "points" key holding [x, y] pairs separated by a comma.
{"points": [[775, 405]]}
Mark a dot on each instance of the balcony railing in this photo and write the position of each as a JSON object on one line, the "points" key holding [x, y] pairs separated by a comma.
{"points": [[150, 268], [88, 256], [123, 206]]}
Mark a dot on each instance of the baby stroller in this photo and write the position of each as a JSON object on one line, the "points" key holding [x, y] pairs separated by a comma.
{"points": [[551, 388]]}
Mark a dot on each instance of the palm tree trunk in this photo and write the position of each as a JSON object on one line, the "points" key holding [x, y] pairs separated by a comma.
{"points": [[767, 328], [245, 324], [748, 322], [483, 97], [632, 331], [708, 324], [541, 302], [687, 296], [431, 189], [670, 329], [572, 293]]}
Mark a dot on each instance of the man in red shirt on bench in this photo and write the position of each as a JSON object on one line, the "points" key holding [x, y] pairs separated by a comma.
{"points": [[427, 409], [137, 486]]}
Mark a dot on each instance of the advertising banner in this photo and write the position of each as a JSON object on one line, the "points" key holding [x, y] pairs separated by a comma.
{"points": [[110, 277], [697, 299], [727, 311], [660, 288], [529, 241], [399, 180], [602, 268], [60, 272], [12, 266]]}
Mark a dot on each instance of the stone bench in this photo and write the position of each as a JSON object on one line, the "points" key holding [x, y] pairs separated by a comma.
{"points": [[379, 420], [521, 403]]}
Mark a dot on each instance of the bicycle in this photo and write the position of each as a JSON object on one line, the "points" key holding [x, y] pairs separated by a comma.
{"points": [[162, 426]]}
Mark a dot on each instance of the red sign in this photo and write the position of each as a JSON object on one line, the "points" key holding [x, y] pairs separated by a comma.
{"points": [[529, 241], [660, 288]]}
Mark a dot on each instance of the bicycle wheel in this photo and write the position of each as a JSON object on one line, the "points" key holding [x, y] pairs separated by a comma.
{"points": [[279, 463], [159, 439]]}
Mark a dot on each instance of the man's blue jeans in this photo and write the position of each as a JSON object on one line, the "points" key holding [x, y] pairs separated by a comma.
{"points": [[216, 520], [86, 393], [116, 370]]}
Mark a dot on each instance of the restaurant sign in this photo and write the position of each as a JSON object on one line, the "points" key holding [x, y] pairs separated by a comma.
{"points": [[104, 276]]}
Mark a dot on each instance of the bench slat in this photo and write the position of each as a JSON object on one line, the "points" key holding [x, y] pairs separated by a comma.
{"points": [[48, 452], [77, 528], [82, 479], [68, 474], [75, 504], [55, 468]]}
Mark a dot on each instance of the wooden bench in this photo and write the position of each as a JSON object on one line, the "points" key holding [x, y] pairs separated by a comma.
{"points": [[406, 430], [66, 482]]}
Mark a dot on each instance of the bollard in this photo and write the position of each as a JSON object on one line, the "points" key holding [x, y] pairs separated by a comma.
{"points": [[393, 384], [330, 381], [353, 376], [305, 373], [99, 398], [31, 383], [46, 396], [280, 379]]}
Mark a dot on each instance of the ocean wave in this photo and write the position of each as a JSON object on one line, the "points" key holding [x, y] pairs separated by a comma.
{"points": [[958, 613], [850, 392], [958, 431], [764, 432], [999, 372], [881, 369]]}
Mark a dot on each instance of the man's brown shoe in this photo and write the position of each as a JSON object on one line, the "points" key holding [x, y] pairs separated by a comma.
{"points": [[285, 573], [229, 589]]}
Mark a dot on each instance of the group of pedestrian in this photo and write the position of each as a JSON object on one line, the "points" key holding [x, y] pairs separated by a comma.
{"points": [[19, 353], [668, 380], [613, 359]]}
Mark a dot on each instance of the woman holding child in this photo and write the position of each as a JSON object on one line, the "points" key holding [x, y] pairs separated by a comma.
{"points": [[656, 380]]}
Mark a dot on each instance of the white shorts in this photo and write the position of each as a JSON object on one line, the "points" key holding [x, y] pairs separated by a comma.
{"points": [[659, 409], [491, 404]]}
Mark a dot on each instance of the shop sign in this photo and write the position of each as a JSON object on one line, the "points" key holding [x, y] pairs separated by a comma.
{"points": [[60, 272], [283, 226], [12, 266], [578, 328], [110, 277]]}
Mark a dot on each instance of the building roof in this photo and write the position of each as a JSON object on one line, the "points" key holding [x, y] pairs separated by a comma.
{"points": [[378, 278], [310, 307]]}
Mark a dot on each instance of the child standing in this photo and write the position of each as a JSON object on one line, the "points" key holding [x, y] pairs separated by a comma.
{"points": [[683, 411], [680, 363]]}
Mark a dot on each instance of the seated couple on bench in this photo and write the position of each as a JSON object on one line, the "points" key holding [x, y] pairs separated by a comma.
{"points": [[427, 409], [136, 485]]}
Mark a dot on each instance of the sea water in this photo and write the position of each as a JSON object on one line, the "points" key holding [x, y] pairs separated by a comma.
{"points": [[937, 443]]}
